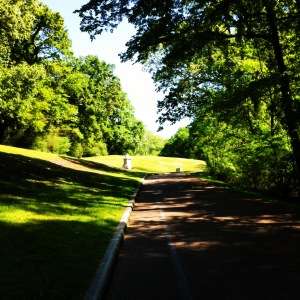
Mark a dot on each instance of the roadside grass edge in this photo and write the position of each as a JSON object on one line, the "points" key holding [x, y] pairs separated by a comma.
{"points": [[99, 284]]}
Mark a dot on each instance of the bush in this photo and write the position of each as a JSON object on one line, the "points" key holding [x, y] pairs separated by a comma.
{"points": [[76, 150], [52, 142], [98, 148]]}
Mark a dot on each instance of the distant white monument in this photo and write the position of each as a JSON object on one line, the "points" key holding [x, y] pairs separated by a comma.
{"points": [[127, 162]]}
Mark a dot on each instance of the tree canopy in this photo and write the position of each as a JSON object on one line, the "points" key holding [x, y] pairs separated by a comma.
{"points": [[53, 101], [234, 60]]}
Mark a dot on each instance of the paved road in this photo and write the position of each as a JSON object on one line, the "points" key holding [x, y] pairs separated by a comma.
{"points": [[188, 239]]}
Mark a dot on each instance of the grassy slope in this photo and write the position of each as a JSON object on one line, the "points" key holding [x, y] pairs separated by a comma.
{"points": [[153, 164], [57, 215]]}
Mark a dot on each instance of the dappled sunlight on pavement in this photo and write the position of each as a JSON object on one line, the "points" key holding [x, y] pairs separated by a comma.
{"points": [[227, 245]]}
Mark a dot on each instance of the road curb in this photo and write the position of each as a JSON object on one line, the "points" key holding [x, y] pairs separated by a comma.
{"points": [[97, 288]]}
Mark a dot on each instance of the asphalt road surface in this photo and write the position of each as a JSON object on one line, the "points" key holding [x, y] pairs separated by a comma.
{"points": [[188, 239]]}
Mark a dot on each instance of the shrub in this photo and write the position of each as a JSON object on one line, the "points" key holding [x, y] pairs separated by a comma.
{"points": [[52, 142], [98, 148]]}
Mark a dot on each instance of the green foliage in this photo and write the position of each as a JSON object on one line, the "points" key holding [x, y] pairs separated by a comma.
{"points": [[94, 149], [21, 108], [16, 22], [57, 216], [151, 144], [30, 106], [52, 142], [48, 39], [53, 101], [235, 61], [257, 160], [76, 150], [105, 113], [178, 145]]}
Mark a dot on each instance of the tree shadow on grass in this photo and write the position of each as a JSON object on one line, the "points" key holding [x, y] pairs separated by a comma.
{"points": [[50, 260], [52, 248], [102, 167], [34, 181]]}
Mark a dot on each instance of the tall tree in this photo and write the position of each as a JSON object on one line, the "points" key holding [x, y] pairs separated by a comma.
{"points": [[105, 113], [152, 144], [51, 100], [16, 23], [48, 39], [20, 107], [181, 32], [31, 32], [178, 145], [32, 36]]}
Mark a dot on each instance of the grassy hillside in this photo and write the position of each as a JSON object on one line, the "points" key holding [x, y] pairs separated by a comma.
{"points": [[153, 164], [57, 215]]}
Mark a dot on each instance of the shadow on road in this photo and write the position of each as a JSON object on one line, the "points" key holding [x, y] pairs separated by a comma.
{"points": [[230, 245]]}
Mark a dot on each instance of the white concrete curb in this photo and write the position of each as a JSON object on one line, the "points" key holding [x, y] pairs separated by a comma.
{"points": [[100, 282]]}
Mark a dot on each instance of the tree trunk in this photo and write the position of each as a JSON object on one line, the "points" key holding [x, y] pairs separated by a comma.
{"points": [[290, 117]]}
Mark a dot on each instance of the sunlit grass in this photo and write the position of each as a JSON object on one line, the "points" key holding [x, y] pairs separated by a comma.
{"points": [[153, 164], [58, 214], [27, 152]]}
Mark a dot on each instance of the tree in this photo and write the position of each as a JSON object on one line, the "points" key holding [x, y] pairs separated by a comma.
{"points": [[48, 39], [127, 132], [31, 32], [30, 105], [178, 145], [105, 113], [178, 34], [20, 110], [15, 23], [53, 101], [152, 144], [32, 37]]}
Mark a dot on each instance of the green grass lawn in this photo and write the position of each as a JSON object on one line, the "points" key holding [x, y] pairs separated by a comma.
{"points": [[153, 164], [57, 215]]}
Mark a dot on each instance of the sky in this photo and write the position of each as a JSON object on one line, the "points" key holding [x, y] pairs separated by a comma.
{"points": [[137, 83]]}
